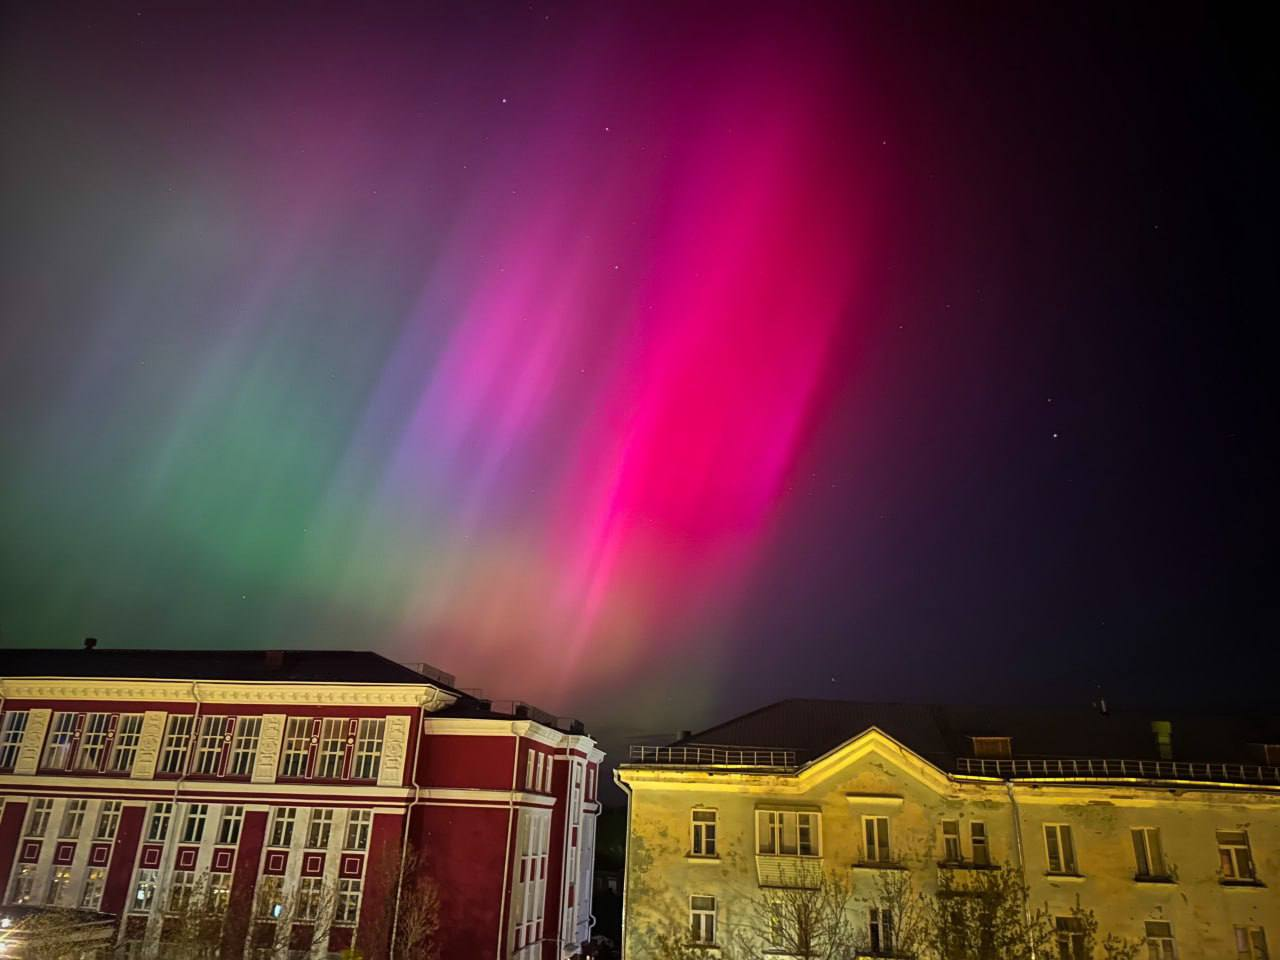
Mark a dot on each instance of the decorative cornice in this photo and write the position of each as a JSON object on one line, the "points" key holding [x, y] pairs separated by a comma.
{"points": [[219, 691]]}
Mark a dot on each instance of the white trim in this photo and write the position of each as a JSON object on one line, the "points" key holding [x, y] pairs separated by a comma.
{"points": [[225, 691]]}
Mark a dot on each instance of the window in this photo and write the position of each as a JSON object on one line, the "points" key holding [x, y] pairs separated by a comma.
{"points": [[875, 838], [95, 881], [542, 783], [1148, 854], [144, 891], [177, 741], [93, 744], [319, 829], [1233, 852], [951, 842], [880, 927], [1160, 940], [213, 739], [310, 898], [193, 826], [38, 822], [229, 828], [181, 885], [57, 748], [1163, 729], [219, 891], [333, 749], [528, 770], [282, 821], [704, 833], [1058, 846], [993, 748], [1270, 753], [245, 747], [59, 886], [270, 897], [534, 838], [297, 747], [369, 750], [358, 830], [11, 733], [72, 819], [347, 905], [23, 882], [1251, 944], [158, 827], [785, 832], [1069, 933], [125, 748], [702, 919], [978, 840], [108, 820]]}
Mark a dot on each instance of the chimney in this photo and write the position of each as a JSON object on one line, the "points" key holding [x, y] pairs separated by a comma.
{"points": [[275, 659], [90, 642]]}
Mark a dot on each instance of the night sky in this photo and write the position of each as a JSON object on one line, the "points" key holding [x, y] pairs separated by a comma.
{"points": [[650, 362]]}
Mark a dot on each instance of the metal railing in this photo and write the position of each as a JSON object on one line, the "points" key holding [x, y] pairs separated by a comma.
{"points": [[708, 756], [1119, 769]]}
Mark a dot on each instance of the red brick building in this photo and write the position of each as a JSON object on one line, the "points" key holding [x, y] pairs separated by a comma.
{"points": [[303, 777]]}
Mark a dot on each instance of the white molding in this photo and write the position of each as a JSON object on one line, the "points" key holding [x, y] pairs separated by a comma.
{"points": [[144, 761], [32, 742], [270, 739], [224, 691], [114, 788], [395, 746]]}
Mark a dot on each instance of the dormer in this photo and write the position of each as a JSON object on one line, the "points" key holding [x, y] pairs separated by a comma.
{"points": [[993, 748]]}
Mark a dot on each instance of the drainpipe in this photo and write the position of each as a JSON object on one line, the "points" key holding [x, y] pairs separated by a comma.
{"points": [[506, 855], [1022, 860], [423, 709], [175, 824], [626, 852]]}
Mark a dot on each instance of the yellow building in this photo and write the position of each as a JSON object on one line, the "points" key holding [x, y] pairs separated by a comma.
{"points": [[1166, 826]]}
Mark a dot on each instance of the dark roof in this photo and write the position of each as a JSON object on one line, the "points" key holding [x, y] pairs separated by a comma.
{"points": [[281, 666], [941, 733]]}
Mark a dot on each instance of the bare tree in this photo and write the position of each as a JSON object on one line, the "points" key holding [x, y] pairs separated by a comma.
{"points": [[806, 916], [904, 917], [299, 920], [986, 915], [414, 920]]}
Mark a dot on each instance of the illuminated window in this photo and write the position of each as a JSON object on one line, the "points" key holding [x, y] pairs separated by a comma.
{"points": [[229, 827], [333, 749], [108, 820], [978, 839], [319, 828], [702, 919], [1251, 944], [270, 897], [787, 832], [310, 898], [1148, 853], [57, 748], [193, 826], [358, 830], [93, 743], [1070, 935], [1160, 940], [73, 819], [125, 749], [219, 892], [59, 887], [282, 821], [704, 833], [181, 885], [245, 747], [95, 881], [1235, 856], [213, 740], [297, 746], [1059, 848], [12, 730], [368, 750], [880, 927], [158, 828], [38, 819], [951, 842], [875, 839], [23, 883], [144, 891], [347, 906], [993, 748], [177, 743]]}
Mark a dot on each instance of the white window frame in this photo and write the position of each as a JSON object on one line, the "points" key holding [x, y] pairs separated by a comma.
{"points": [[877, 840], [72, 819], [1235, 857], [331, 755], [1069, 937], [95, 884], [880, 931], [319, 828], [347, 902], [1068, 864], [703, 826], [310, 899], [108, 820], [702, 919], [772, 822], [144, 890], [283, 822], [93, 742], [181, 886], [528, 769], [177, 743], [952, 851], [219, 892], [1251, 942], [359, 826], [244, 746], [211, 745], [159, 820], [124, 749], [22, 889], [195, 822], [1159, 940], [60, 741], [59, 886], [12, 730], [978, 840], [297, 748], [230, 824], [38, 817], [368, 753], [1148, 851]]}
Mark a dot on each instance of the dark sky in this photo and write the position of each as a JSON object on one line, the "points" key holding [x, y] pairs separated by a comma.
{"points": [[648, 361]]}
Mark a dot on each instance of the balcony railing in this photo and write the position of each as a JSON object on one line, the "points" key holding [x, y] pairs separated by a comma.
{"points": [[1119, 769], [755, 758], [788, 870]]}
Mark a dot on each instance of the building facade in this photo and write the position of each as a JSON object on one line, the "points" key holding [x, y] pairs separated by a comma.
{"points": [[1167, 828], [301, 793]]}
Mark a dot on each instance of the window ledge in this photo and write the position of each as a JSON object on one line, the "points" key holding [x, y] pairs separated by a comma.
{"points": [[1145, 878], [965, 865], [1244, 884], [879, 865], [701, 858], [1064, 876]]}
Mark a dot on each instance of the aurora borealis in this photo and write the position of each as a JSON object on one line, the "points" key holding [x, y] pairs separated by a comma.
{"points": [[650, 353]]}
